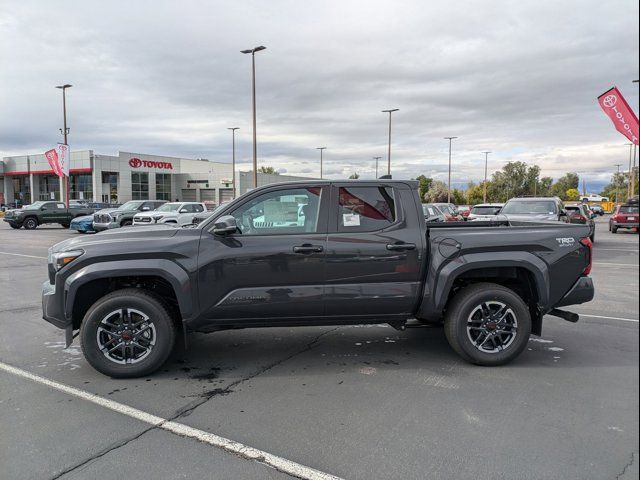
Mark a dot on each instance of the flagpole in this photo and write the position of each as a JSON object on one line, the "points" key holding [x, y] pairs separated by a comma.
{"points": [[65, 133]]}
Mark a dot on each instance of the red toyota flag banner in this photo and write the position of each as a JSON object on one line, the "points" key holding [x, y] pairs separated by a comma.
{"points": [[54, 161], [64, 158], [620, 113]]}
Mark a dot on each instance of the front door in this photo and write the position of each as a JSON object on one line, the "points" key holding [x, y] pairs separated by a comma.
{"points": [[373, 251], [273, 267]]}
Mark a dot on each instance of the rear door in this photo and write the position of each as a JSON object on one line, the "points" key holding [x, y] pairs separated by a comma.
{"points": [[273, 267], [374, 250]]}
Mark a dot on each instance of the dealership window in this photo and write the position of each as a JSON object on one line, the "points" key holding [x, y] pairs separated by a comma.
{"points": [[110, 187], [48, 187], [81, 186], [163, 186], [21, 190], [139, 186]]}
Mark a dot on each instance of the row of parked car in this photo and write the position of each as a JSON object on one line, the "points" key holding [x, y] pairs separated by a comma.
{"points": [[95, 217], [529, 209]]}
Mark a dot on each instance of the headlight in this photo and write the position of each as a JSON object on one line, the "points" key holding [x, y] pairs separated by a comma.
{"points": [[61, 259]]}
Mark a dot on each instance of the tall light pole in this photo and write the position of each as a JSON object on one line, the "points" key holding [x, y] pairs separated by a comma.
{"points": [[65, 132], [253, 51], [321, 149], [629, 192], [389, 149], [233, 157], [449, 184], [616, 182], [486, 163], [376, 159]]}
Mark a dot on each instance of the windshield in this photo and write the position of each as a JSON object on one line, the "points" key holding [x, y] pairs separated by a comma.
{"points": [[132, 205], [486, 210], [530, 207], [35, 205], [628, 209], [169, 207]]}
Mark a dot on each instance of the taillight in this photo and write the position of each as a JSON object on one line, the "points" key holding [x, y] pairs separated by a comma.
{"points": [[587, 243]]}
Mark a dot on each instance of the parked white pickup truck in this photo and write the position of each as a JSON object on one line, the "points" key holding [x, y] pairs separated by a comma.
{"points": [[180, 213]]}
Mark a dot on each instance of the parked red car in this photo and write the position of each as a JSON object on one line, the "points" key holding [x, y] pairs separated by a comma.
{"points": [[624, 216]]}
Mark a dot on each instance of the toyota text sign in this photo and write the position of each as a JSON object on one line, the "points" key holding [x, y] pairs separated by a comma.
{"points": [[620, 113], [137, 163]]}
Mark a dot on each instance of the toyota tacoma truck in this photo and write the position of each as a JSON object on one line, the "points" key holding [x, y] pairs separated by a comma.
{"points": [[315, 253], [39, 213], [122, 216]]}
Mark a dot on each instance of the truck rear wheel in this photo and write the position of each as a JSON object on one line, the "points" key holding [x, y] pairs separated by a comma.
{"points": [[487, 324], [127, 333]]}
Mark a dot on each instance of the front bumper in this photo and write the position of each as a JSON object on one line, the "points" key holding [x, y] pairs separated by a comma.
{"points": [[100, 227], [14, 220], [53, 307], [581, 292]]}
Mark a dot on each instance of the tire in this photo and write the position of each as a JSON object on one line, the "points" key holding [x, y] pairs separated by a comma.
{"points": [[65, 225], [155, 343], [126, 223], [465, 308], [30, 223], [593, 237], [14, 226], [614, 229]]}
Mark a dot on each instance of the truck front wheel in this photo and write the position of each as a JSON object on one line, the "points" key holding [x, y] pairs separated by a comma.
{"points": [[487, 324], [30, 223], [127, 333]]}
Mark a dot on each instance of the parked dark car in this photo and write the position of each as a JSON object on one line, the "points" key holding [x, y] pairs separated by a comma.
{"points": [[579, 213], [534, 209], [123, 216], [625, 216], [597, 209], [315, 253], [432, 213], [39, 213]]}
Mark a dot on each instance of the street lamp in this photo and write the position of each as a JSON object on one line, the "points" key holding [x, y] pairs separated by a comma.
{"points": [[486, 162], [321, 149], [449, 184], [65, 132], [376, 159], [616, 181], [253, 51], [389, 150], [233, 157]]}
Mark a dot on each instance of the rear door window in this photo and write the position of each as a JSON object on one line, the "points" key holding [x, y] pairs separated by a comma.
{"points": [[365, 209]]}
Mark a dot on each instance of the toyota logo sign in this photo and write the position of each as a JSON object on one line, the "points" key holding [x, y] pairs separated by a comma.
{"points": [[610, 100], [135, 163]]}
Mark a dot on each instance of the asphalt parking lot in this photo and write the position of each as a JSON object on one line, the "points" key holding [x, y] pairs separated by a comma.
{"points": [[354, 402]]}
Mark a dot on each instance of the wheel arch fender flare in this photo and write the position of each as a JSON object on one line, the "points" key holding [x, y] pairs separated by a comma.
{"points": [[170, 271], [474, 261]]}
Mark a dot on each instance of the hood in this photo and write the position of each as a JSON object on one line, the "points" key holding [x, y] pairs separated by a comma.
{"points": [[83, 218], [111, 210], [153, 213], [120, 235]]}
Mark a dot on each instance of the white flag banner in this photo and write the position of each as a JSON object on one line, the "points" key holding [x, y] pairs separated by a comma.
{"points": [[64, 158]]}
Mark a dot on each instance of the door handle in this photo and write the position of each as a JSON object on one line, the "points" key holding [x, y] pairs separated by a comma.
{"points": [[401, 246], [307, 248]]}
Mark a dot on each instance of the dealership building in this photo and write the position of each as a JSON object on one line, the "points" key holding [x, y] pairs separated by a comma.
{"points": [[127, 176]]}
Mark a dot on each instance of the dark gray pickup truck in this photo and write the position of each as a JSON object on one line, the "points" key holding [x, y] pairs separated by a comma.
{"points": [[315, 253]]}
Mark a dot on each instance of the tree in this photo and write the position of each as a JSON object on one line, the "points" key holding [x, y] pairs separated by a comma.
{"points": [[572, 194], [544, 186], [458, 197], [474, 193], [437, 192], [269, 170], [619, 183], [424, 184], [354, 176], [568, 181], [516, 179]]}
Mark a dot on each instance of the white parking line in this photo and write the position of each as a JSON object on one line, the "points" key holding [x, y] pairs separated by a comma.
{"points": [[634, 320], [21, 255], [616, 264], [616, 249], [279, 463]]}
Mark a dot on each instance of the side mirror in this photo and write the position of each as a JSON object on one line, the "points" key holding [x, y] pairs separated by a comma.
{"points": [[43, 208], [146, 209], [225, 225], [563, 213]]}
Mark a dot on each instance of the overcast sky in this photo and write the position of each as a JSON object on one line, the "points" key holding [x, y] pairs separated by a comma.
{"points": [[518, 78]]}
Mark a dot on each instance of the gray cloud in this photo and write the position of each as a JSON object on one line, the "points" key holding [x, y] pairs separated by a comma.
{"points": [[517, 78]]}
